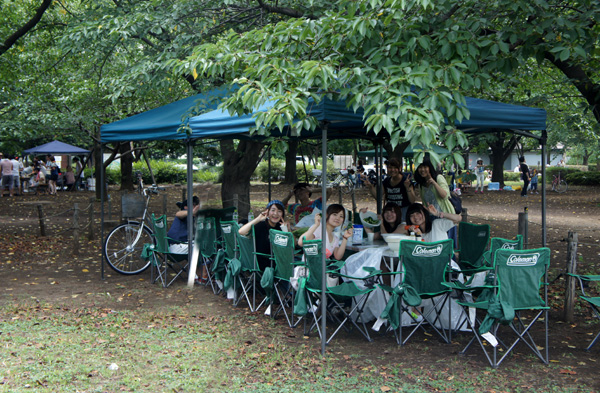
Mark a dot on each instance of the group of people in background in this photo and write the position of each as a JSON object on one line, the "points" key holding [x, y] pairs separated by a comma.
{"points": [[19, 178]]}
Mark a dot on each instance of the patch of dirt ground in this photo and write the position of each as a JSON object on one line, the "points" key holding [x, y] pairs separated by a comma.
{"points": [[53, 269]]}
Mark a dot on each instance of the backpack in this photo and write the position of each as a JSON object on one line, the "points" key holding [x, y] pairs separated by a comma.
{"points": [[456, 202]]}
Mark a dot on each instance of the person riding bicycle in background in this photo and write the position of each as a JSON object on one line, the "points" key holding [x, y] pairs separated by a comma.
{"points": [[305, 206], [397, 187]]}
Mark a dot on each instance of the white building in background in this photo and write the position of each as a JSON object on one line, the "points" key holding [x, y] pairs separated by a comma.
{"points": [[532, 158]]}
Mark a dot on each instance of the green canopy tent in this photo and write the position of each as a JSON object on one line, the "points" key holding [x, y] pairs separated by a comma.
{"points": [[336, 120]]}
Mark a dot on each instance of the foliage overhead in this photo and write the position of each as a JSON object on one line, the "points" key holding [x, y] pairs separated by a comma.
{"points": [[407, 63]]}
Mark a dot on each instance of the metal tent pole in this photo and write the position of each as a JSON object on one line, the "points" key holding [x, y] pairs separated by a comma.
{"points": [[193, 263], [323, 240], [101, 207], [543, 140]]}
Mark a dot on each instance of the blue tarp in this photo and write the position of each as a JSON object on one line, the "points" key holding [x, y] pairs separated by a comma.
{"points": [[56, 147], [163, 123]]}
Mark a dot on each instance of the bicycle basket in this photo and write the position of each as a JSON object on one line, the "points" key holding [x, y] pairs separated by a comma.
{"points": [[132, 205]]}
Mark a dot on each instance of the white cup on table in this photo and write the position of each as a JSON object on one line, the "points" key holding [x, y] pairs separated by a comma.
{"points": [[370, 236]]}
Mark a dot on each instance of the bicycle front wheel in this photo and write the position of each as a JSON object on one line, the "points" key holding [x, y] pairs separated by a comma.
{"points": [[122, 255], [561, 186]]}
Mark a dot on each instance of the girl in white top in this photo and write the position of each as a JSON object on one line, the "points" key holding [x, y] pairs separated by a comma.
{"points": [[419, 220], [334, 217]]}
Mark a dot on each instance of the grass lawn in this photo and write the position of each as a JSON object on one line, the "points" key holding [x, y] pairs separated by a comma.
{"points": [[59, 349]]}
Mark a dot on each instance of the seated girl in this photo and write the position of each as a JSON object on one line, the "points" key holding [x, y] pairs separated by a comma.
{"points": [[271, 218], [334, 217], [420, 221], [391, 220]]}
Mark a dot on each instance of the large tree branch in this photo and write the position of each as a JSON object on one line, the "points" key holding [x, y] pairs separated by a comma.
{"points": [[284, 11], [10, 41], [581, 80]]}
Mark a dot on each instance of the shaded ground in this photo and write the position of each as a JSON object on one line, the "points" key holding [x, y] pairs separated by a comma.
{"points": [[47, 270]]}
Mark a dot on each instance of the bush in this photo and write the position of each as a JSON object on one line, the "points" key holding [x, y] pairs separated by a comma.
{"points": [[277, 170], [164, 172], [208, 175], [331, 171], [512, 176], [583, 178]]}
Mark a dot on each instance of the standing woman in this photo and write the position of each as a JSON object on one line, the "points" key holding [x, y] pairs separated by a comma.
{"points": [[271, 218], [53, 166], [397, 188], [434, 188], [335, 216]]}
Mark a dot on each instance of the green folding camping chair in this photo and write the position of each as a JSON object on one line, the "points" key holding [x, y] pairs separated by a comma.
{"points": [[425, 268], [283, 262], [345, 300], [515, 301], [593, 301], [250, 275], [206, 239], [230, 266], [473, 241], [163, 260], [498, 243]]}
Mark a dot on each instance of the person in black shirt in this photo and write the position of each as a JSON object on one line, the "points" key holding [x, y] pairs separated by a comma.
{"points": [[271, 218], [524, 175], [397, 188]]}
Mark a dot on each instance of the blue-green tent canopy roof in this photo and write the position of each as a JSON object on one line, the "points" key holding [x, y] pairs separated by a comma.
{"points": [[162, 123]]}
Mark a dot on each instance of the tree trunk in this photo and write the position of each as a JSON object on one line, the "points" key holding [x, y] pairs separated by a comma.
{"points": [[126, 167], [586, 157], [238, 165], [501, 150], [291, 177], [397, 152]]}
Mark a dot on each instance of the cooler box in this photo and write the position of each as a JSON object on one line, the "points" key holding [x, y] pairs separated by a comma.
{"points": [[494, 186]]}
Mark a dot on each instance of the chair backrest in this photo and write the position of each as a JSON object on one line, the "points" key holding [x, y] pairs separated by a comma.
{"points": [[425, 264], [520, 274], [282, 249], [498, 243], [160, 233], [209, 241], [247, 251], [314, 262], [199, 238], [473, 241], [229, 230]]}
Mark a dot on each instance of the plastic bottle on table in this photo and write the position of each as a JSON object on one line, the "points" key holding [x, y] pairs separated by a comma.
{"points": [[235, 215]]}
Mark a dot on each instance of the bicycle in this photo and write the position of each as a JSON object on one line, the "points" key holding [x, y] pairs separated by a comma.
{"points": [[124, 244], [346, 180], [559, 185]]}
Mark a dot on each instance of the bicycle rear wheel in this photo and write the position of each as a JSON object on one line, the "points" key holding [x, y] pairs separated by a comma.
{"points": [[561, 186], [121, 254], [347, 186]]}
